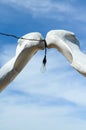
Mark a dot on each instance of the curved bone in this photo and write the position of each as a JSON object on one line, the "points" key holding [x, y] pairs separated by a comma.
{"points": [[24, 52], [67, 43]]}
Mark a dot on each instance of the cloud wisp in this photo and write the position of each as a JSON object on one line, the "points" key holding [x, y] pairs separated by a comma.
{"points": [[49, 9]]}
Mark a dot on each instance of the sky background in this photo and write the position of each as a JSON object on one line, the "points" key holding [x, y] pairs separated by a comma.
{"points": [[56, 99]]}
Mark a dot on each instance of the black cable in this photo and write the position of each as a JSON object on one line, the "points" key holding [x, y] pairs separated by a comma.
{"points": [[45, 60], [11, 35], [17, 37]]}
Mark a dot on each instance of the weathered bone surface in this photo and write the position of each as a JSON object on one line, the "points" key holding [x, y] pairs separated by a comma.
{"points": [[24, 52], [67, 43]]}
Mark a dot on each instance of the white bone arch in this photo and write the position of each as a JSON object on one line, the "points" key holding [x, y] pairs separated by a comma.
{"points": [[64, 41]]}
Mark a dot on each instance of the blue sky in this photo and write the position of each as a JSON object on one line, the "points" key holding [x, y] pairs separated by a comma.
{"points": [[55, 99]]}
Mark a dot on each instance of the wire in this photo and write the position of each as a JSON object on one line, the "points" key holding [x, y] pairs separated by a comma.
{"points": [[17, 37], [45, 60]]}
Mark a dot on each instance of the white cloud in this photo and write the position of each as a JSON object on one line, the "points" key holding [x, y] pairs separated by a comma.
{"points": [[60, 10], [34, 117]]}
